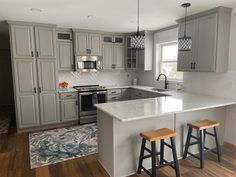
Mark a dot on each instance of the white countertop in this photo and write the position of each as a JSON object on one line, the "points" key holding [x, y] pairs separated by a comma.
{"points": [[178, 102], [70, 89]]}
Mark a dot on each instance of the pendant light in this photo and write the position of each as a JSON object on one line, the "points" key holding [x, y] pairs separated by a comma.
{"points": [[138, 39], [185, 42]]}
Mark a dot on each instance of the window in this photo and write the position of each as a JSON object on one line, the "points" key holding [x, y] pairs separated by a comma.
{"points": [[168, 61]]}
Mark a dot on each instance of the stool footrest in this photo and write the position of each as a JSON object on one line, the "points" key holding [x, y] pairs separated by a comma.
{"points": [[148, 150], [210, 150], [147, 171], [194, 137], [193, 155], [166, 164], [211, 134], [148, 156], [193, 143], [168, 145], [172, 166]]}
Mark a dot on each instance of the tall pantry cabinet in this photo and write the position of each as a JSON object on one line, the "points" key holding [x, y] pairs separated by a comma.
{"points": [[34, 66]]}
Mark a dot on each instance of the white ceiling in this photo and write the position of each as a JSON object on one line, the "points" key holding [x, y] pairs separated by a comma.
{"points": [[111, 15]]}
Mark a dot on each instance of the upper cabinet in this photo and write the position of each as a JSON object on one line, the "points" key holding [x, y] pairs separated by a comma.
{"points": [[131, 55], [22, 41], [210, 41], [87, 43], [145, 57], [45, 42], [113, 52], [65, 55]]}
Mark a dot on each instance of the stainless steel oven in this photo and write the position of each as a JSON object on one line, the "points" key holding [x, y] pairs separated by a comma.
{"points": [[88, 97]]}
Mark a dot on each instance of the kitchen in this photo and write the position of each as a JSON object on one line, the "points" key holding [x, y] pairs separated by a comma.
{"points": [[62, 75]]}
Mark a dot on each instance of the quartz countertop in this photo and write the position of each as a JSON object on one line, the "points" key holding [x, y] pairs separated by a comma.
{"points": [[177, 102], [70, 89]]}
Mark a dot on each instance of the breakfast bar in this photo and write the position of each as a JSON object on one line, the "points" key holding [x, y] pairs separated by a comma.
{"points": [[120, 123]]}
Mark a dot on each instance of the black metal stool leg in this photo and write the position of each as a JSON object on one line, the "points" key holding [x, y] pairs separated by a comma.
{"points": [[153, 159], [162, 152], [187, 142], [201, 149], [141, 156], [218, 148], [175, 157], [204, 137]]}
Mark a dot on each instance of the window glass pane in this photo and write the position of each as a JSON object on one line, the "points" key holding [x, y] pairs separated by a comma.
{"points": [[169, 52], [170, 70]]}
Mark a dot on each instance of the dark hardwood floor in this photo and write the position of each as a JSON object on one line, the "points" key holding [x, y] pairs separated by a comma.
{"points": [[14, 162]]}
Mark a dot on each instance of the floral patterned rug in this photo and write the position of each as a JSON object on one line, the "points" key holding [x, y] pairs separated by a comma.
{"points": [[49, 147]]}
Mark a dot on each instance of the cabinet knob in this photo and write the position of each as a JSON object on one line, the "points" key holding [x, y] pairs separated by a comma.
{"points": [[32, 54], [37, 54], [40, 90], [35, 90], [194, 65]]}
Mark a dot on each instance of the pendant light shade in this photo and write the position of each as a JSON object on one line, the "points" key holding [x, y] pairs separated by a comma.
{"points": [[185, 42], [138, 39]]}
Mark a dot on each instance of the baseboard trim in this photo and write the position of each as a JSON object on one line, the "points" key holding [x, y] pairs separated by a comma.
{"points": [[229, 144]]}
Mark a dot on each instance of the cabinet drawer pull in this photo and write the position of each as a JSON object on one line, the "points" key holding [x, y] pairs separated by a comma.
{"points": [[191, 66], [194, 65], [35, 90], [32, 54], [37, 54], [69, 95], [40, 90]]}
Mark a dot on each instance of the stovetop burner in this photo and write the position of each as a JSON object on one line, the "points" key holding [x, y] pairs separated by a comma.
{"points": [[90, 88]]}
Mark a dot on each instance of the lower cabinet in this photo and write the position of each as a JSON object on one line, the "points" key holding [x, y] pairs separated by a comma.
{"points": [[69, 106]]}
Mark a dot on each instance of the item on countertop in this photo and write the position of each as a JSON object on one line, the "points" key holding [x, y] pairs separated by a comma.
{"points": [[179, 86], [63, 85], [135, 81]]}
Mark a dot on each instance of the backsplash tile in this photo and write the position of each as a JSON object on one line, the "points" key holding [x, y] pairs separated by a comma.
{"points": [[105, 77]]}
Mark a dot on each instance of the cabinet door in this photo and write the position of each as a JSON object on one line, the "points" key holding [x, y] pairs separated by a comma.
{"points": [[22, 41], [81, 43], [205, 58], [47, 79], [65, 56], [45, 42], [69, 110], [107, 56], [118, 56], [25, 76], [185, 58], [27, 110], [95, 44]]}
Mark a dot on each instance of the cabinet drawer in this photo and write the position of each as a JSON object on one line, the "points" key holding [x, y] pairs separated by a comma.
{"points": [[68, 95], [114, 98], [114, 92]]}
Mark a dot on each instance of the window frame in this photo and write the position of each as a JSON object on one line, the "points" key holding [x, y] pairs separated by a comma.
{"points": [[161, 59]]}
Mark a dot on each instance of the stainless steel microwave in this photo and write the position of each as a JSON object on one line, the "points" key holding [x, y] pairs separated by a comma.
{"points": [[88, 63]]}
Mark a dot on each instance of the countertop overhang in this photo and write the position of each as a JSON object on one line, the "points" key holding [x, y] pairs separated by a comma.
{"points": [[177, 102]]}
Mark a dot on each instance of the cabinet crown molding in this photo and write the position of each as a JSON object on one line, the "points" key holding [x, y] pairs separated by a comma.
{"points": [[12, 22]]}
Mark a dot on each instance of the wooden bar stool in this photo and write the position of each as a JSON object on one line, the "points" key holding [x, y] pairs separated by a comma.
{"points": [[201, 127], [152, 137]]}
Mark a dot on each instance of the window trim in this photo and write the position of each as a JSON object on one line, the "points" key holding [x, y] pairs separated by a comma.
{"points": [[161, 60]]}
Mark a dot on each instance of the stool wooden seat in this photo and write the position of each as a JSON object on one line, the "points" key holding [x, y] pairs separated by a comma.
{"points": [[156, 135], [204, 124], [152, 137], [202, 127]]}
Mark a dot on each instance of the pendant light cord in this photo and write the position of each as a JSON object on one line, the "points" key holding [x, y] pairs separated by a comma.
{"points": [[138, 18], [185, 21]]}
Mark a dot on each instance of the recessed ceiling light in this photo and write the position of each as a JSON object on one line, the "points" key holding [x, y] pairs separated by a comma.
{"points": [[91, 17], [36, 10]]}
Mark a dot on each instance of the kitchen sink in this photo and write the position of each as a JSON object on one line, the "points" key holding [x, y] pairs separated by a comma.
{"points": [[160, 90]]}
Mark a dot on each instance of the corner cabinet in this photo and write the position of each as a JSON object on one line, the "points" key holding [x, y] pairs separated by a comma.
{"points": [[87, 43], [210, 42], [113, 52], [34, 74]]}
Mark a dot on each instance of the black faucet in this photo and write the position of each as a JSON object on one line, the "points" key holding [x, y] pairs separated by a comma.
{"points": [[166, 82]]}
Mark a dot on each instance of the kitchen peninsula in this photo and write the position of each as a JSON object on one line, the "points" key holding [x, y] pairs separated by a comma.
{"points": [[119, 125]]}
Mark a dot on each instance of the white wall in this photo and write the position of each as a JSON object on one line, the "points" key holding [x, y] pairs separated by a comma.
{"points": [[149, 77], [105, 77]]}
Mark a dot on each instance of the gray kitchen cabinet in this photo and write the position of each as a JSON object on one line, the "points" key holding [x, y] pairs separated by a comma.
{"points": [[69, 110], [26, 92], [118, 59], [114, 95], [145, 56], [210, 41], [65, 56], [113, 52], [138, 94], [87, 43], [125, 94], [47, 74], [45, 42], [22, 38], [35, 78]]}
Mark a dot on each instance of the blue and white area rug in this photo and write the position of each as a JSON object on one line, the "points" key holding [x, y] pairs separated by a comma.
{"points": [[49, 147]]}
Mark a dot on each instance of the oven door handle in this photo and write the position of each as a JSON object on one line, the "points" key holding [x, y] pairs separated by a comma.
{"points": [[91, 93]]}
